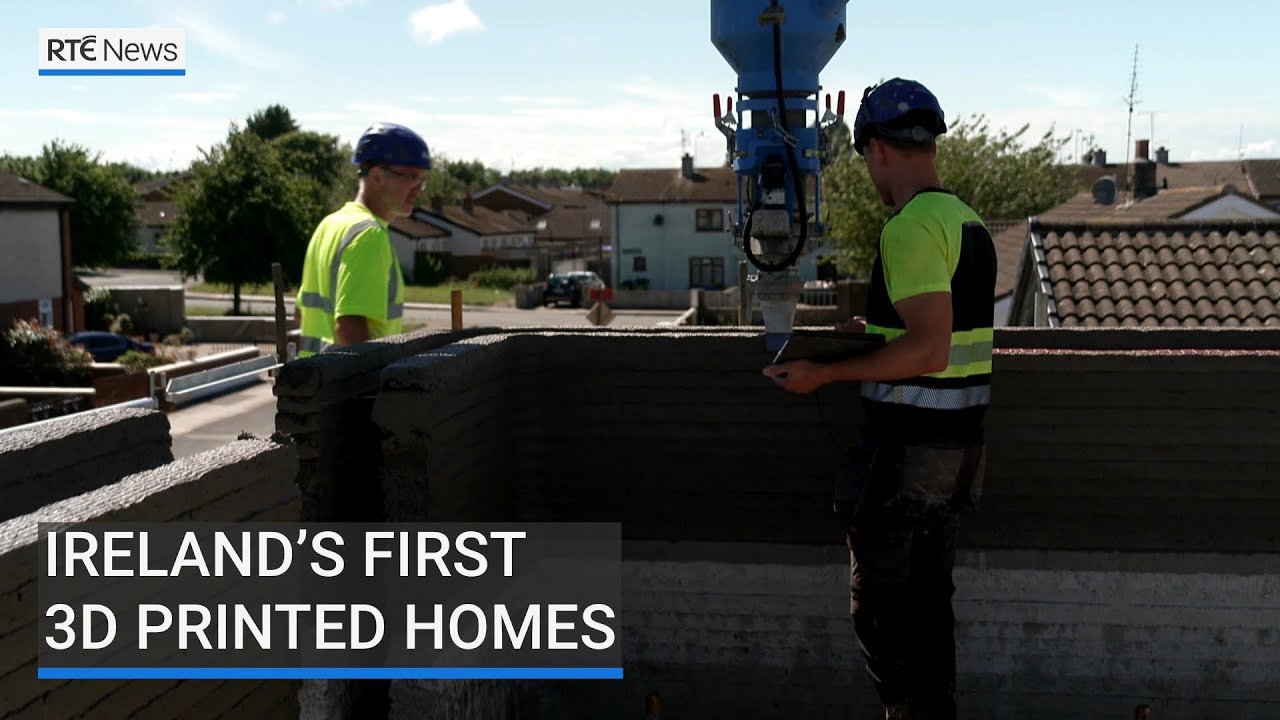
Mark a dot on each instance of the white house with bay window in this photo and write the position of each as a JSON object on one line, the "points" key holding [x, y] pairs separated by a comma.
{"points": [[670, 229]]}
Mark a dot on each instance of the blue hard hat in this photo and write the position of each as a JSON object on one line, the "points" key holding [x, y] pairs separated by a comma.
{"points": [[898, 109], [391, 144]]}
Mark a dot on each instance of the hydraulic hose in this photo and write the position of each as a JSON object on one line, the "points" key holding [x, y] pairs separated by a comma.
{"points": [[798, 183]]}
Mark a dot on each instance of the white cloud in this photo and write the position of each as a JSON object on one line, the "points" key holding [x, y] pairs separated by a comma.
{"points": [[218, 39], [276, 17], [434, 23]]}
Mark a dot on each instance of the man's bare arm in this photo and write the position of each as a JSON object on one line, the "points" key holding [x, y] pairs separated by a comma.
{"points": [[352, 329], [923, 349]]}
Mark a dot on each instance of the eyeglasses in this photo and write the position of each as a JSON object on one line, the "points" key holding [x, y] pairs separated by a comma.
{"points": [[419, 183]]}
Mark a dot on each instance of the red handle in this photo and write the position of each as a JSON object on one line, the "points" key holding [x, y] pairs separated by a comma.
{"points": [[715, 99], [840, 105]]}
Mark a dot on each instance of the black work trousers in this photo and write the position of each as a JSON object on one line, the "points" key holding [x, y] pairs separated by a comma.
{"points": [[902, 543], [900, 597]]}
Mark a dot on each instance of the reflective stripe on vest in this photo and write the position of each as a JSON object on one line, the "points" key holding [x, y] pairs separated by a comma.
{"points": [[970, 352], [394, 309], [312, 345], [312, 300], [930, 398]]}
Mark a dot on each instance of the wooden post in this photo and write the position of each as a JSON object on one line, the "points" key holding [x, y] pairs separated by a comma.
{"points": [[744, 298], [455, 300], [282, 330]]}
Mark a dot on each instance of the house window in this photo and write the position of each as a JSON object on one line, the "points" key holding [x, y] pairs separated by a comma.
{"points": [[710, 220], [638, 264], [706, 273]]}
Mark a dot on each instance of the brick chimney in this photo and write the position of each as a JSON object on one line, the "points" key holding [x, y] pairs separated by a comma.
{"points": [[1100, 158], [1144, 179], [686, 165], [467, 203], [1162, 155], [1142, 150]]}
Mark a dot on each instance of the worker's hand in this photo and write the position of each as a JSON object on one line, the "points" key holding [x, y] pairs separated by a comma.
{"points": [[857, 324], [797, 376]]}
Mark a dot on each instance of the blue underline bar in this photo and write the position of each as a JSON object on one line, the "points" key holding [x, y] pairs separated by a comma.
{"points": [[119, 71], [326, 673]]}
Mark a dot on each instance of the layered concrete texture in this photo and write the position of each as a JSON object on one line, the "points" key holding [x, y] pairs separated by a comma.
{"points": [[1124, 552], [247, 480], [66, 457]]}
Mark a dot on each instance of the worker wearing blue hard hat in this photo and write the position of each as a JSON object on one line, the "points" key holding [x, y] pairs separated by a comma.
{"points": [[352, 289], [919, 461]]}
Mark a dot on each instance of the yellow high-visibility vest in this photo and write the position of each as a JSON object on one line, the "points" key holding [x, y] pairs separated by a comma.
{"points": [[350, 269]]}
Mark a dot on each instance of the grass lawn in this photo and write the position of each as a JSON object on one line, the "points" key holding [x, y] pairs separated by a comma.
{"points": [[221, 312], [412, 293]]}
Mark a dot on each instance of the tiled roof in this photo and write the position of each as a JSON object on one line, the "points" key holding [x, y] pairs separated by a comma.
{"points": [[1171, 274], [480, 220], [1264, 177], [417, 229], [1010, 238], [157, 213], [1163, 205], [558, 196], [713, 185], [572, 223], [1178, 175], [14, 189]]}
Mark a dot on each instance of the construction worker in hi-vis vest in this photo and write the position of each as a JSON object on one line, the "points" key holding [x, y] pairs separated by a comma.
{"points": [[352, 289], [899, 489]]}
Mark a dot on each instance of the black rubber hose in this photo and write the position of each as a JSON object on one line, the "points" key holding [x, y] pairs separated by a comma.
{"points": [[801, 201]]}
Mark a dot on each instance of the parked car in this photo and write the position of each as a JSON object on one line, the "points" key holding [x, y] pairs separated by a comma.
{"points": [[588, 279], [573, 287], [106, 346], [562, 287]]}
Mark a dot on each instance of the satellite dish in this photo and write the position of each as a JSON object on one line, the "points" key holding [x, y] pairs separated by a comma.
{"points": [[1104, 190]]}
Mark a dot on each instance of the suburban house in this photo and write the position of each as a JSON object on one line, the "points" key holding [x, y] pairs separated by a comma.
{"points": [[1217, 191], [478, 237], [35, 241], [572, 225], [156, 213], [671, 229], [1259, 179], [1153, 273], [412, 239]]}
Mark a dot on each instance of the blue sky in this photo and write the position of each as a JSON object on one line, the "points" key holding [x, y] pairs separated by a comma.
{"points": [[575, 83]]}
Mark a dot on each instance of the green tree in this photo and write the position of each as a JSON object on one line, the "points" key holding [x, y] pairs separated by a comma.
{"points": [[994, 172], [20, 165], [271, 122], [240, 213], [104, 219], [133, 174], [322, 166]]}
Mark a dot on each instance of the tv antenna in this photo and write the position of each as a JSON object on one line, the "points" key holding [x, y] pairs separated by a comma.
{"points": [[1151, 114], [1131, 100]]}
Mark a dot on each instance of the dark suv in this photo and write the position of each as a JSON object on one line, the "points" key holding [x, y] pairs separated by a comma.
{"points": [[563, 287]]}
